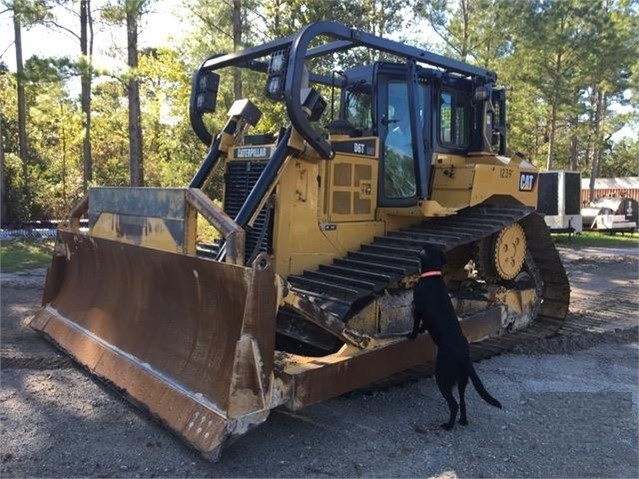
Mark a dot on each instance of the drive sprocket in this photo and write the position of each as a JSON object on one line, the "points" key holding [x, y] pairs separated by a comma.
{"points": [[501, 256]]}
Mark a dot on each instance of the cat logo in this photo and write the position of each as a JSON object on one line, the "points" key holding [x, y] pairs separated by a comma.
{"points": [[527, 181]]}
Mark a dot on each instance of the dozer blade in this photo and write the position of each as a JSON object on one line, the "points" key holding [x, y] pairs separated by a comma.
{"points": [[190, 339]]}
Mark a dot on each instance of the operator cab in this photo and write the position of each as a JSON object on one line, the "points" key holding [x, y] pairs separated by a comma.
{"points": [[417, 112]]}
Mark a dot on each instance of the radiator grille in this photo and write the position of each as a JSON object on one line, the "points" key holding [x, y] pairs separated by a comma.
{"points": [[239, 178]]}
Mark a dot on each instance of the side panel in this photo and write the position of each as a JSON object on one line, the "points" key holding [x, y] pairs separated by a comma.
{"points": [[353, 185], [323, 209], [469, 185], [572, 186], [549, 193]]}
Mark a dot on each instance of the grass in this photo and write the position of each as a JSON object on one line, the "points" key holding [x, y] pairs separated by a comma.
{"points": [[18, 255], [598, 240]]}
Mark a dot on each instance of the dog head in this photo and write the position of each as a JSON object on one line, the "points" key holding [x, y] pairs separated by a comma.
{"points": [[431, 258]]}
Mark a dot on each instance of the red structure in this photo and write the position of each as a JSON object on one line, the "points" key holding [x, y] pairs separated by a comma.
{"points": [[627, 187]]}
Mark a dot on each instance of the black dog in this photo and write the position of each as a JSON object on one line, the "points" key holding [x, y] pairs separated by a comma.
{"points": [[434, 312]]}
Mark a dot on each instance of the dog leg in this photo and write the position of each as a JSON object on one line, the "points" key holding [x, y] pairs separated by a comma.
{"points": [[418, 327], [463, 381], [447, 391]]}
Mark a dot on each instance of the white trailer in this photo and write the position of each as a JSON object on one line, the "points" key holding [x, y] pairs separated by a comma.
{"points": [[611, 215]]}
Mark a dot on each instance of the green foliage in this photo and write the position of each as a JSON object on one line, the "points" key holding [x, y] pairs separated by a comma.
{"points": [[621, 159], [110, 134], [380, 17], [171, 159], [50, 70], [30, 12], [116, 12], [55, 133], [468, 28], [16, 204]]}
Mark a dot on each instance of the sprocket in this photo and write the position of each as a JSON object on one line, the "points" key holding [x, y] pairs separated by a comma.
{"points": [[501, 255]]}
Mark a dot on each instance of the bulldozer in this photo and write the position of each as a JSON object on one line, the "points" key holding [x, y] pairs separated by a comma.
{"points": [[306, 294]]}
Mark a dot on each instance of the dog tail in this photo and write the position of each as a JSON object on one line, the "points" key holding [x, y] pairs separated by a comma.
{"points": [[481, 390]]}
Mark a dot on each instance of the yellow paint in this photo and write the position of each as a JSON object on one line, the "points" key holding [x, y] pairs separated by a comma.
{"points": [[510, 251], [153, 232], [310, 227], [520, 301], [457, 185]]}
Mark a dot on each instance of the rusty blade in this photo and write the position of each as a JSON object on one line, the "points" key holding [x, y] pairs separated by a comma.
{"points": [[192, 340]]}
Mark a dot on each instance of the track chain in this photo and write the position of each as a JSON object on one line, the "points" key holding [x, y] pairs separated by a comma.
{"points": [[340, 288]]}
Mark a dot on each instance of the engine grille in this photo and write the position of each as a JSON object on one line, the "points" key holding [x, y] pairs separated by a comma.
{"points": [[239, 178]]}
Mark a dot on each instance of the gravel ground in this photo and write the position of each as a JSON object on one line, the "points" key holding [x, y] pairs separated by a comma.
{"points": [[570, 409]]}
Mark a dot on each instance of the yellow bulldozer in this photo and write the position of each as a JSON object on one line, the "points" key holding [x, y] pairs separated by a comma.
{"points": [[307, 293]]}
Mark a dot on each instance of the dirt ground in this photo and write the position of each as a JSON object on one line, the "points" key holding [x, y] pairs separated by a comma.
{"points": [[570, 407]]}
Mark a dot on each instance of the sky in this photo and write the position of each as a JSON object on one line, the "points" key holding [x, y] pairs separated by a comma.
{"points": [[159, 26]]}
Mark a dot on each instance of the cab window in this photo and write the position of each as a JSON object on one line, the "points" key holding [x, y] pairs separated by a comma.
{"points": [[453, 120], [359, 109], [399, 165]]}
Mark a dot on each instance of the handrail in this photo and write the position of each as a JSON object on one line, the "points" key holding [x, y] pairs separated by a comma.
{"points": [[234, 235], [77, 212]]}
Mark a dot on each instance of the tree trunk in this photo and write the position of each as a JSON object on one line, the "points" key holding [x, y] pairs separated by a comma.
{"points": [[63, 138], [237, 44], [551, 135], [86, 47], [596, 154], [22, 110], [3, 195], [277, 28], [574, 142], [553, 115], [136, 160], [465, 48]]}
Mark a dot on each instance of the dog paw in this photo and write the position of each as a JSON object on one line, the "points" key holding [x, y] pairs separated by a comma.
{"points": [[463, 422], [446, 426]]}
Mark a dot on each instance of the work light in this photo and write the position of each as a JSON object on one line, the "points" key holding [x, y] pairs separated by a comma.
{"points": [[274, 90]]}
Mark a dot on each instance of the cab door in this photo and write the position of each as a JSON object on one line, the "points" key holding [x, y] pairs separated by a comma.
{"points": [[401, 118]]}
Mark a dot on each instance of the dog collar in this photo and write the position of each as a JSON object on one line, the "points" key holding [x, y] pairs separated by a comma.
{"points": [[428, 274]]}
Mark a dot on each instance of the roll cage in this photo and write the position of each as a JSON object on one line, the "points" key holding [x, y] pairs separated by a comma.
{"points": [[296, 50]]}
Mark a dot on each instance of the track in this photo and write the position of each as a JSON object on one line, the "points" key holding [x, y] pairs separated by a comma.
{"points": [[342, 288]]}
